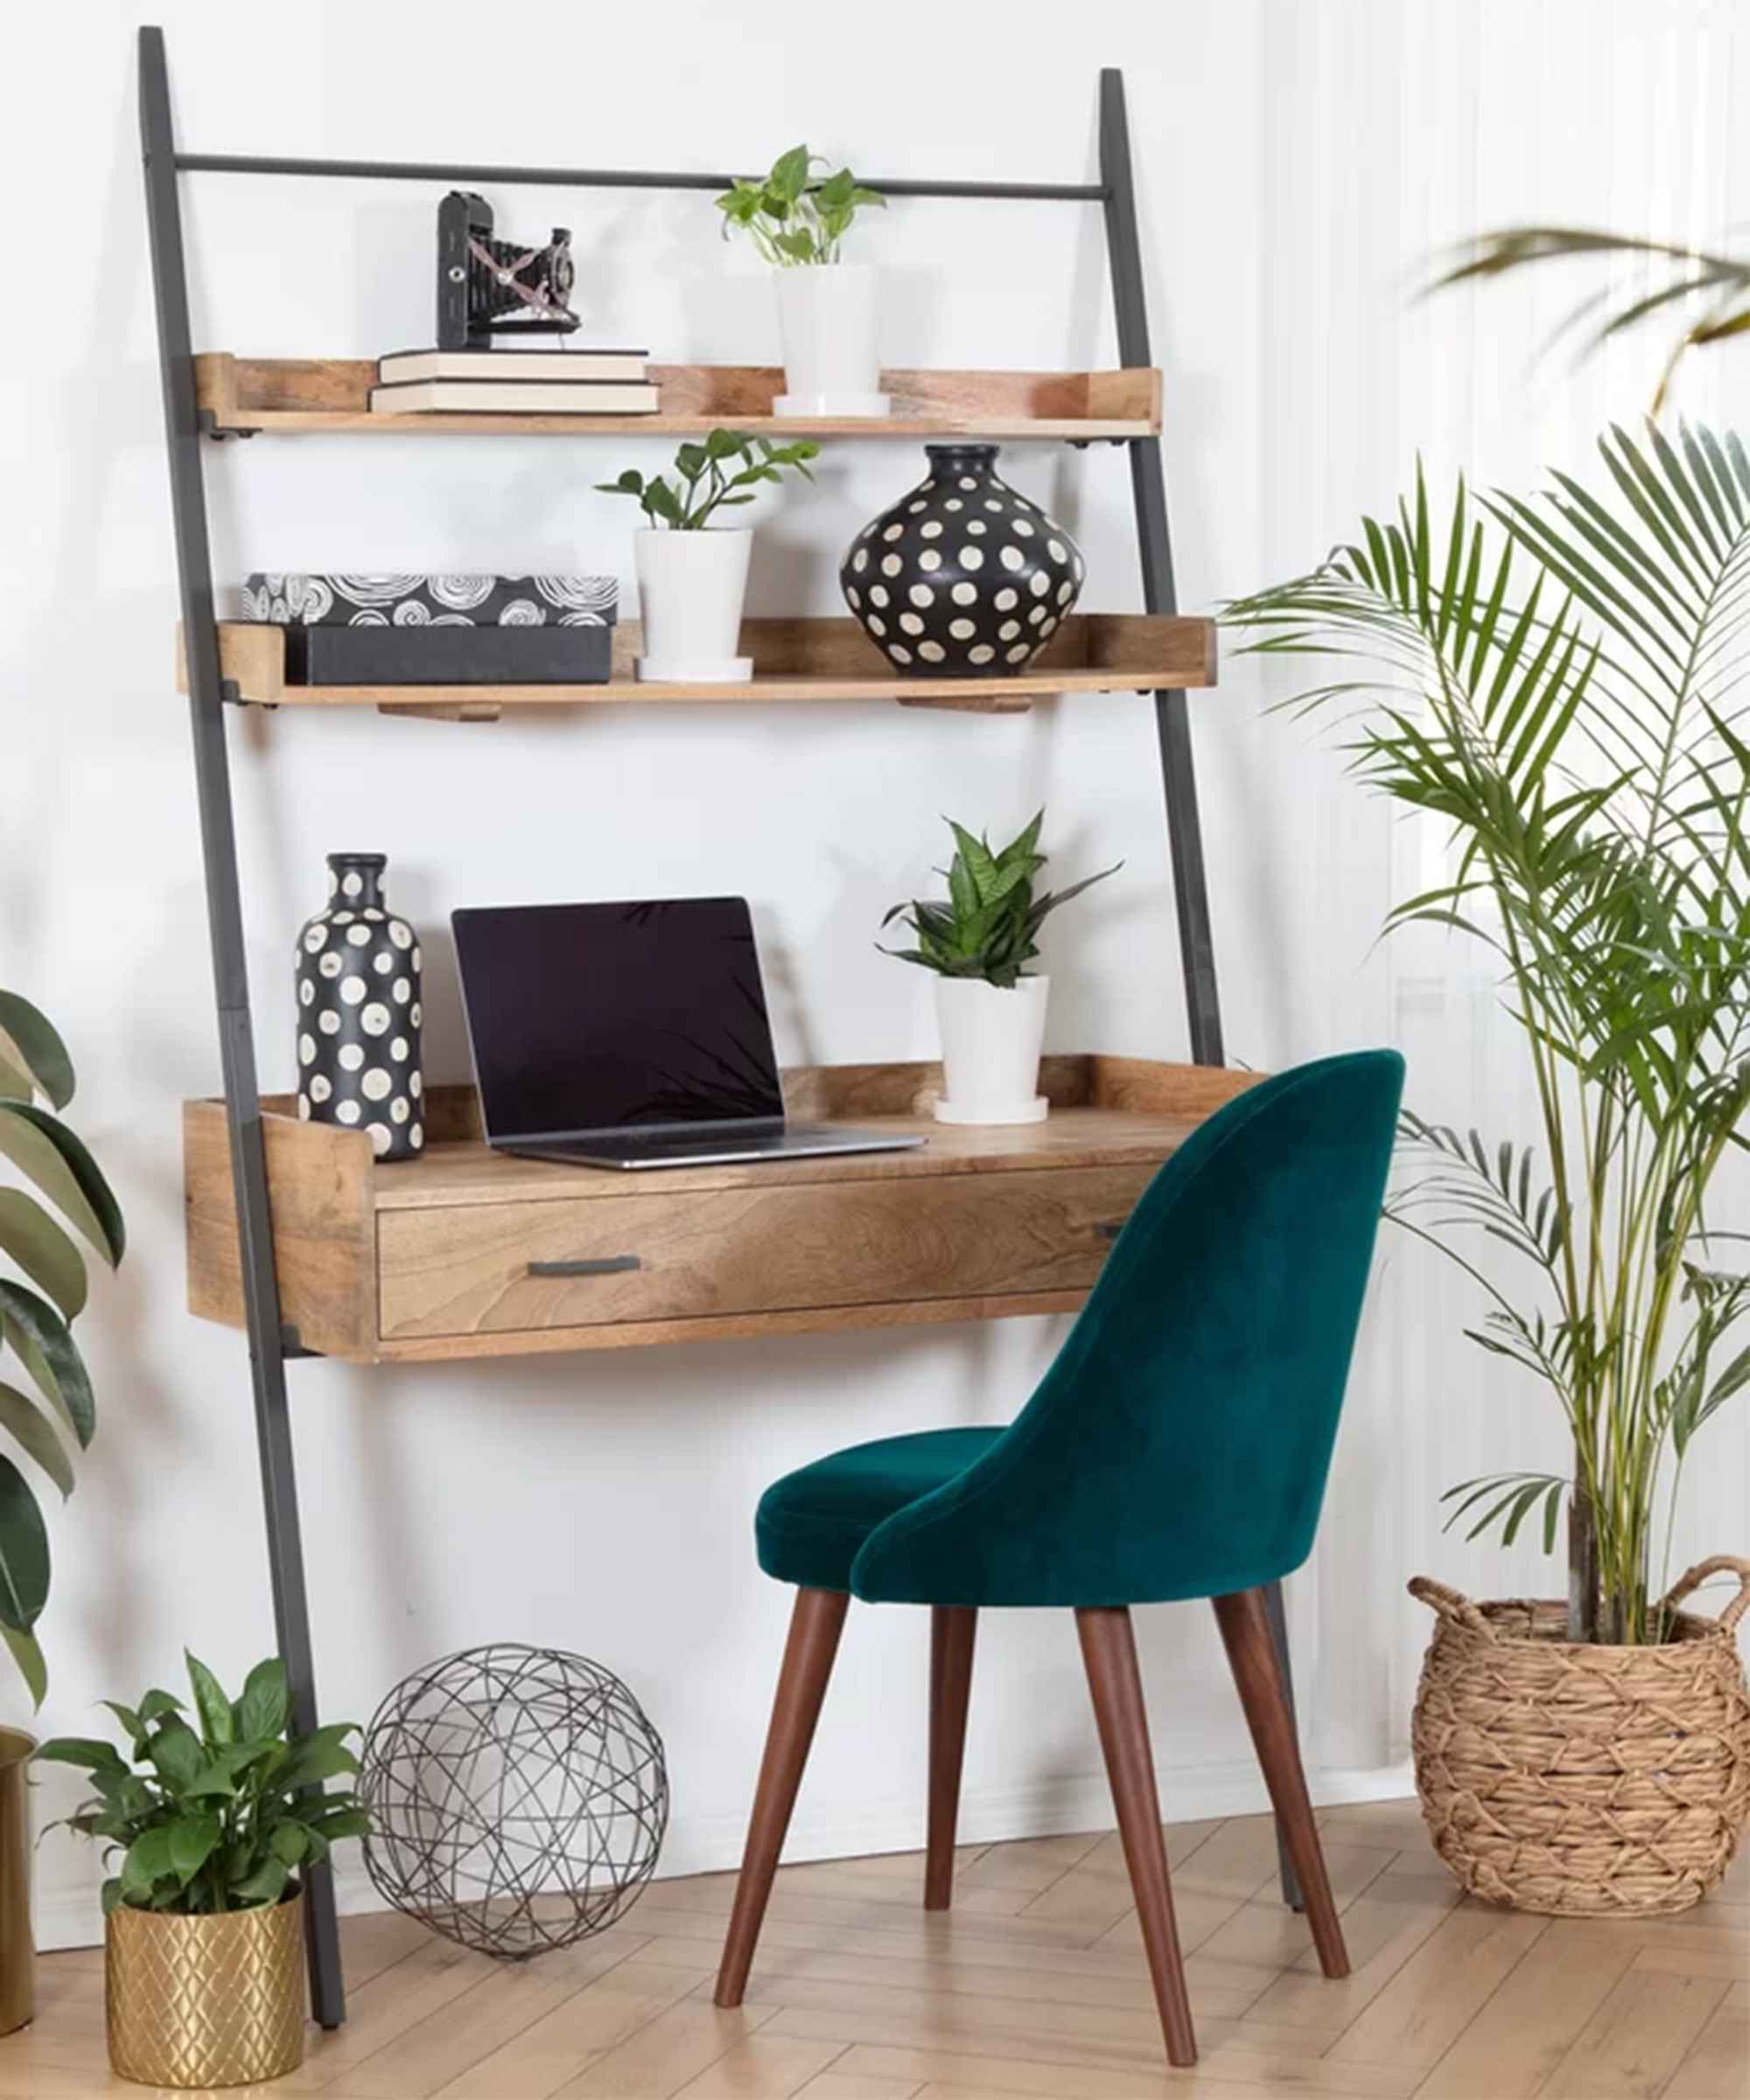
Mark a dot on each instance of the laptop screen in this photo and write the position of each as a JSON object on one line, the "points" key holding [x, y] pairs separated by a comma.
{"points": [[607, 1017]]}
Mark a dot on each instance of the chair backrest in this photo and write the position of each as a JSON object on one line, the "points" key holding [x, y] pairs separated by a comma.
{"points": [[1178, 1444]]}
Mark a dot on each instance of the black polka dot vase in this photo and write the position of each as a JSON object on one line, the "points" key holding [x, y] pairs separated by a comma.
{"points": [[962, 578], [359, 1013]]}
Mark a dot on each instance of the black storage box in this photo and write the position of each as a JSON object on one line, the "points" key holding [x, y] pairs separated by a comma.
{"points": [[325, 655], [439, 630]]}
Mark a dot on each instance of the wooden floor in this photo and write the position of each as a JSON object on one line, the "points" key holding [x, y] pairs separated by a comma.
{"points": [[1032, 1988]]}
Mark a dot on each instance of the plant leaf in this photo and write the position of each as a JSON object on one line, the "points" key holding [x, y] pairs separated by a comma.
{"points": [[40, 1050], [176, 1752], [42, 1249], [57, 1162], [48, 1352], [266, 1705], [23, 1552], [28, 1657], [218, 1724], [193, 1839], [35, 1435]]}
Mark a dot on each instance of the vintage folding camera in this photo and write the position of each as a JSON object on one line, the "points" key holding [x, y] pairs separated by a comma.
{"points": [[488, 287]]}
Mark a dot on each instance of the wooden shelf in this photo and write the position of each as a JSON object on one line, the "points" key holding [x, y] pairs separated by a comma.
{"points": [[244, 395], [794, 660], [431, 1260]]}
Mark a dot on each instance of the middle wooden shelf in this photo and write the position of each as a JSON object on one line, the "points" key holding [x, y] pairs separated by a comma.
{"points": [[794, 659]]}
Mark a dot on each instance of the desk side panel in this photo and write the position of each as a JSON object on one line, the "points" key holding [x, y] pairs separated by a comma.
{"points": [[325, 1228]]}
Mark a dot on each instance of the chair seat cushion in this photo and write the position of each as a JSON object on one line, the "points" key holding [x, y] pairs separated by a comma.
{"points": [[812, 1523]]}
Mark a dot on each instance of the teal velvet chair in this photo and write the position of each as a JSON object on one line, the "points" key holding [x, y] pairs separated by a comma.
{"points": [[1177, 1448]]}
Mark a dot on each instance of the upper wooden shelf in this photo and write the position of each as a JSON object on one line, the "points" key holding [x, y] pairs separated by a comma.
{"points": [[794, 659], [244, 395]]}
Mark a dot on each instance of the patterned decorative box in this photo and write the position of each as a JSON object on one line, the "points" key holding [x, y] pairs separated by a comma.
{"points": [[440, 630], [432, 601]]}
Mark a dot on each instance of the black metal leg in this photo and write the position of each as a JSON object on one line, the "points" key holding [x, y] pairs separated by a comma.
{"points": [[1148, 489], [224, 902], [1172, 726], [1279, 1634]]}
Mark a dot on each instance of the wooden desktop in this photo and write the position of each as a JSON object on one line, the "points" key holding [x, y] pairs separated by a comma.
{"points": [[466, 1253]]}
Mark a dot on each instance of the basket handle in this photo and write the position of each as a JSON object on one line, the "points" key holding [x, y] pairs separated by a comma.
{"points": [[1450, 1605], [1722, 1564]]}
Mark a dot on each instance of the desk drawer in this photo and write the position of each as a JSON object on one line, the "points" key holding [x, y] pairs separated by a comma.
{"points": [[500, 1268]]}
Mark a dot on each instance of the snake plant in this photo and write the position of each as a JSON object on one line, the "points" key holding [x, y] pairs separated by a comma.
{"points": [[36, 1324], [1563, 682]]}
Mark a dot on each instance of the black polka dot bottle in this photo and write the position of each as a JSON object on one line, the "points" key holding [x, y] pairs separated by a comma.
{"points": [[359, 1013], [962, 578]]}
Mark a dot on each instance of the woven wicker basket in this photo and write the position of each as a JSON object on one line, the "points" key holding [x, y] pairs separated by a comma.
{"points": [[1585, 1781]]}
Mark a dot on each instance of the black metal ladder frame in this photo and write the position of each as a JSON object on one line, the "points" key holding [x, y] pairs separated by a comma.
{"points": [[270, 1343]]}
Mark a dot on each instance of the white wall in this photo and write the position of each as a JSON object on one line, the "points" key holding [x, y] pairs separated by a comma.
{"points": [[1298, 164]]}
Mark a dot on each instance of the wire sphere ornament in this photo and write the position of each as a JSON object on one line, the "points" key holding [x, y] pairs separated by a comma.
{"points": [[518, 1798]]}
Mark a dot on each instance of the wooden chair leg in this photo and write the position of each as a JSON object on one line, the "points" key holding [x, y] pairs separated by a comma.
{"points": [[953, 1628], [815, 1627], [1108, 1653], [1245, 1622]]}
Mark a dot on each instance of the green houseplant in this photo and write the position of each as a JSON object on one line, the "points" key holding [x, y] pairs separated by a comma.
{"points": [[829, 310], [978, 942], [210, 1813], [692, 573], [1721, 281], [37, 1083], [36, 1330], [1562, 681]]}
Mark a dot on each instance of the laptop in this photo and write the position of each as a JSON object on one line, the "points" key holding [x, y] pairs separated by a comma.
{"points": [[630, 1035]]}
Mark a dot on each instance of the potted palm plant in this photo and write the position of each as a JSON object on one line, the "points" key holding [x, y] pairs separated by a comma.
{"points": [[829, 310], [1562, 681], [978, 942], [692, 574], [37, 1083], [210, 1816]]}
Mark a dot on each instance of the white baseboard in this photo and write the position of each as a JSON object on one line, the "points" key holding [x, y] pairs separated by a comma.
{"points": [[68, 1916]]}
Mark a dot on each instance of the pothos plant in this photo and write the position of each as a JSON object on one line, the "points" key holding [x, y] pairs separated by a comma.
{"points": [[36, 1083], [985, 928], [216, 1811], [1562, 681], [794, 216], [724, 471]]}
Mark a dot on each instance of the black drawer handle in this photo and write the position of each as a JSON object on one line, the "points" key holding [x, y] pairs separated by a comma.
{"points": [[1108, 1228], [603, 1264]]}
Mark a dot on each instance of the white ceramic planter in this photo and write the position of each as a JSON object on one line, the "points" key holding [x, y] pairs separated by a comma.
{"points": [[690, 589], [990, 1043], [829, 317]]}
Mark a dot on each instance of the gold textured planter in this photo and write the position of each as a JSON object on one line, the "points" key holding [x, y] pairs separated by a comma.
{"points": [[16, 1980], [205, 2001]]}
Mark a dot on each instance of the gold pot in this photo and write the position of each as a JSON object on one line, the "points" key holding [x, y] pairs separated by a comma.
{"points": [[17, 1981], [204, 2001]]}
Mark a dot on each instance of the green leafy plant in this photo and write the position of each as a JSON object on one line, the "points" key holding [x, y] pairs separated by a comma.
{"points": [[1563, 681], [36, 1325], [721, 474], [794, 216], [985, 928], [217, 1811], [1685, 273]]}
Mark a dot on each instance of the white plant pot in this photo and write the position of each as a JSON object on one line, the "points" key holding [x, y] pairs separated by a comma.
{"points": [[829, 317], [690, 589], [990, 1042]]}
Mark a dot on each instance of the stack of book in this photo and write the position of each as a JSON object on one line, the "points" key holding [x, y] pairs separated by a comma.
{"points": [[513, 382]]}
